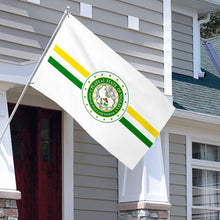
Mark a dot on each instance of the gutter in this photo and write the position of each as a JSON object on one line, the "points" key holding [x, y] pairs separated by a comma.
{"points": [[206, 19], [215, 2], [195, 116]]}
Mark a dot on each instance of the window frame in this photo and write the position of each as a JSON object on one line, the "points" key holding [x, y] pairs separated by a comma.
{"points": [[198, 164]]}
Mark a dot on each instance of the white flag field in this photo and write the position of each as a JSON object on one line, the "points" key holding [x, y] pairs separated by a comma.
{"points": [[119, 107]]}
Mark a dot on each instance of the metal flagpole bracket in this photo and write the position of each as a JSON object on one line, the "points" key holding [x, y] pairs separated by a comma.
{"points": [[33, 73], [68, 11]]}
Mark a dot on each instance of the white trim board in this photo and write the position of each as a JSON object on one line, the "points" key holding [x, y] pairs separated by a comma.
{"points": [[67, 167], [196, 116], [167, 24], [16, 73]]}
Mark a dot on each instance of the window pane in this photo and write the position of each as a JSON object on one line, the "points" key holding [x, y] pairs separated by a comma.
{"points": [[46, 151], [199, 214], [206, 190], [15, 127], [45, 128], [213, 152], [206, 152], [199, 186], [199, 177], [17, 149], [198, 151]]}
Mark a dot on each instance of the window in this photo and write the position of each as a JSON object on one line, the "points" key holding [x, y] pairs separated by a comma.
{"points": [[205, 181], [46, 140], [16, 138]]}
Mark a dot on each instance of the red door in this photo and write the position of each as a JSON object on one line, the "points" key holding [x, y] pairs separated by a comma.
{"points": [[36, 142]]}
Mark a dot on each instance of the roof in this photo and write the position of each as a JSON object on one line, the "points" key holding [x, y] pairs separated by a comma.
{"points": [[200, 95]]}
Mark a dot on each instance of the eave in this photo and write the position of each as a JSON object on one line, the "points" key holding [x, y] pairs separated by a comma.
{"points": [[202, 6]]}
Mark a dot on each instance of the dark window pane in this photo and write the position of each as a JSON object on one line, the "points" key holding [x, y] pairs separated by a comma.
{"points": [[15, 127], [45, 128], [198, 151], [17, 149], [213, 152], [199, 177], [46, 151], [206, 152]]}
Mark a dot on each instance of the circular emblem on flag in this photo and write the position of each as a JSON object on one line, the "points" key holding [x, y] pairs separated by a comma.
{"points": [[105, 96]]}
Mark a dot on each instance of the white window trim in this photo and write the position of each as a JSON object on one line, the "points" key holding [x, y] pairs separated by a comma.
{"points": [[196, 36], [189, 176], [194, 163]]}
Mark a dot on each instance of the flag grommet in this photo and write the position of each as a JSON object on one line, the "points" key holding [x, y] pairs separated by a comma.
{"points": [[105, 96]]}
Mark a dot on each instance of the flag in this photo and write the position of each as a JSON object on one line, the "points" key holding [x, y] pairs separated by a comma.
{"points": [[119, 107]]}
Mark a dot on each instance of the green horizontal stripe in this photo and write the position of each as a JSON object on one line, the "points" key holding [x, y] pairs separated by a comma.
{"points": [[65, 72], [136, 132]]}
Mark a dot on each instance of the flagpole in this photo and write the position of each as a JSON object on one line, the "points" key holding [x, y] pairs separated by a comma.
{"points": [[66, 12]]}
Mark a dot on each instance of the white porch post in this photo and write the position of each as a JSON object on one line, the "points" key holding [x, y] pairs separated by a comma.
{"points": [[143, 190], [7, 180], [167, 36], [8, 192], [147, 181]]}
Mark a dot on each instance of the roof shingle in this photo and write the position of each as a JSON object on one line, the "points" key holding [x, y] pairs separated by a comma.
{"points": [[199, 95]]}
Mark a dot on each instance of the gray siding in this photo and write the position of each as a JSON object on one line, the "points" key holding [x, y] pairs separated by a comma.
{"points": [[182, 33], [177, 157], [95, 175], [26, 29]]}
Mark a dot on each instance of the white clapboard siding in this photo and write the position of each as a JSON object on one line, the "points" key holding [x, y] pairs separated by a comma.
{"points": [[28, 27], [177, 157], [182, 33]]}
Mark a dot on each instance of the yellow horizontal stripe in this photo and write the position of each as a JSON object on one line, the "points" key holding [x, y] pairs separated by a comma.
{"points": [[71, 61], [142, 121]]}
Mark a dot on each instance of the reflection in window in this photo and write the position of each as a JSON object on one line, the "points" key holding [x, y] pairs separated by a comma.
{"points": [[205, 152], [46, 141], [16, 138], [206, 182], [46, 151], [45, 128], [201, 214], [206, 188]]}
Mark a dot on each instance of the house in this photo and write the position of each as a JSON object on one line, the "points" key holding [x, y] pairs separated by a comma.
{"points": [[58, 170], [197, 158]]}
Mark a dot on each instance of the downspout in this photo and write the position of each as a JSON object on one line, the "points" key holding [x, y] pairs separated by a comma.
{"points": [[205, 20]]}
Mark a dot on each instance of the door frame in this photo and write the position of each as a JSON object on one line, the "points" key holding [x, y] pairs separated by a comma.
{"points": [[67, 143], [67, 166]]}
